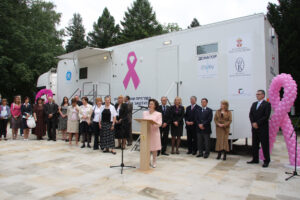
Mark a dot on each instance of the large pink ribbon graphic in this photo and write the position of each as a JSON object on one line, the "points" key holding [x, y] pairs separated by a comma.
{"points": [[131, 72], [280, 117]]}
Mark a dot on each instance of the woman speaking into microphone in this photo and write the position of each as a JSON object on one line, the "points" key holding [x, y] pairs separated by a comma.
{"points": [[155, 116]]}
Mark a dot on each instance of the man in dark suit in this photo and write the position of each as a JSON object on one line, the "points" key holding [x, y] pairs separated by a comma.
{"points": [[51, 112], [259, 116], [203, 119], [130, 109], [191, 127], [164, 129]]}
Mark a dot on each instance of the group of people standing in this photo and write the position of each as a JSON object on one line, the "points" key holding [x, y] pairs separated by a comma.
{"points": [[78, 118], [109, 122], [198, 126]]}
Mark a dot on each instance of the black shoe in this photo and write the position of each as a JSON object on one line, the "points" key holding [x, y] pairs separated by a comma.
{"points": [[189, 152], [265, 165], [119, 147], [54, 140], [194, 153], [48, 139], [129, 144], [199, 155], [88, 145], [205, 156], [158, 153], [224, 156], [219, 155], [164, 153], [82, 146], [252, 162], [96, 148]]}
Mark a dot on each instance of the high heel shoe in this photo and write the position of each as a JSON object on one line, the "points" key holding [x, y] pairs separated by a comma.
{"points": [[224, 156]]}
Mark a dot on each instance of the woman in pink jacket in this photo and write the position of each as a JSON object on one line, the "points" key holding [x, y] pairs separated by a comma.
{"points": [[16, 118], [153, 114]]}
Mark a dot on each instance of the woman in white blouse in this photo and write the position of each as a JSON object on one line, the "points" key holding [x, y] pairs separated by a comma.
{"points": [[73, 121], [85, 113], [107, 122], [96, 117]]}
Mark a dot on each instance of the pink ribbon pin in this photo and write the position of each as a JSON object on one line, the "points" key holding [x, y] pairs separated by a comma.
{"points": [[131, 72], [280, 117]]}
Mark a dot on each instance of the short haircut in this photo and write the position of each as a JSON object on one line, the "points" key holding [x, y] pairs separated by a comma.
{"points": [[74, 100], [85, 98], [194, 97], [163, 97], [155, 103], [26, 98], [205, 99], [4, 100], [39, 99], [98, 99], [262, 91], [107, 96], [127, 97]]}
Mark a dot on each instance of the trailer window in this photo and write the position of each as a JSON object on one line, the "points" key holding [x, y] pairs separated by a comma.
{"points": [[83, 73], [208, 48]]}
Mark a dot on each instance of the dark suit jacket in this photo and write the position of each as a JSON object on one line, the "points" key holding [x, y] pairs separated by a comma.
{"points": [[190, 115], [25, 110], [53, 111], [130, 108], [177, 116], [261, 115], [123, 112], [165, 115], [205, 118]]}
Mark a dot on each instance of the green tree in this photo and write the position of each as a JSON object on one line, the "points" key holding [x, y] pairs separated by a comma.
{"points": [[29, 43], [171, 27], [194, 23], [285, 18], [105, 33], [77, 33], [140, 22]]}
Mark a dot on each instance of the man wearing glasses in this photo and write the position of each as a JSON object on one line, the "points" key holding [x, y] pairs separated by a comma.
{"points": [[259, 116]]}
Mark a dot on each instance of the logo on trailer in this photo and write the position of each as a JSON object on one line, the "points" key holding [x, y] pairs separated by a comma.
{"points": [[131, 74], [68, 75], [239, 42], [240, 91], [239, 64]]}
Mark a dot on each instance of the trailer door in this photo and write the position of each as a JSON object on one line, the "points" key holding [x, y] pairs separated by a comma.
{"points": [[167, 72]]}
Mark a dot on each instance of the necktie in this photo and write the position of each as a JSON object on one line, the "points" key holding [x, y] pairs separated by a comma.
{"points": [[164, 109]]}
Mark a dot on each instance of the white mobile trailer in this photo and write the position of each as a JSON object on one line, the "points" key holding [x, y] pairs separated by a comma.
{"points": [[226, 60], [48, 80]]}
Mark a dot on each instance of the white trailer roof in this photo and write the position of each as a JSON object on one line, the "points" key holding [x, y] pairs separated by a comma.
{"points": [[84, 53]]}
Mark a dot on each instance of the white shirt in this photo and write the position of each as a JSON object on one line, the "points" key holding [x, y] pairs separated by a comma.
{"points": [[97, 113], [258, 104], [113, 112], [85, 111]]}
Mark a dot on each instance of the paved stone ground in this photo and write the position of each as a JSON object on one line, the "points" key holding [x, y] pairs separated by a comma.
{"points": [[54, 170]]}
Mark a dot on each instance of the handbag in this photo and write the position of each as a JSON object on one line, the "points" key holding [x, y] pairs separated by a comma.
{"points": [[31, 122]]}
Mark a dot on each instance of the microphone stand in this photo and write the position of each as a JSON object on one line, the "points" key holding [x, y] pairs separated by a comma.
{"points": [[294, 173], [122, 165]]}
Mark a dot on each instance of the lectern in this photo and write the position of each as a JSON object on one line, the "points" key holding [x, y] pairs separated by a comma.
{"points": [[145, 143]]}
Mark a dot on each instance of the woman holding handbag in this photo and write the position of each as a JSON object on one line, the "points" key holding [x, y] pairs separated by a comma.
{"points": [[26, 112]]}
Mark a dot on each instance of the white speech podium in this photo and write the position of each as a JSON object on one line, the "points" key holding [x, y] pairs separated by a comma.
{"points": [[145, 143]]}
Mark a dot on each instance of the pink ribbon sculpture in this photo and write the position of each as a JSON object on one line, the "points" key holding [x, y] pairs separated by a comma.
{"points": [[42, 92], [131, 72], [280, 118]]}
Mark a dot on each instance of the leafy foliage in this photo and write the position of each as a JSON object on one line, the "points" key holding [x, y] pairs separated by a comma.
{"points": [[105, 33], [194, 23], [77, 32], [29, 43], [285, 18], [140, 22], [171, 27]]}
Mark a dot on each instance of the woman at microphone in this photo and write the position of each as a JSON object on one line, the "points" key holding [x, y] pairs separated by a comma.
{"points": [[155, 116]]}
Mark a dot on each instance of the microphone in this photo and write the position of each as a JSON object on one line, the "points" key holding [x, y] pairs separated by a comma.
{"points": [[143, 107]]}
